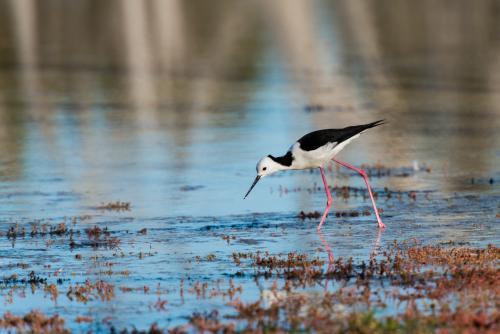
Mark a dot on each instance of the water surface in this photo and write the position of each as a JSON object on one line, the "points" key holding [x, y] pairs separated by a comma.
{"points": [[175, 123]]}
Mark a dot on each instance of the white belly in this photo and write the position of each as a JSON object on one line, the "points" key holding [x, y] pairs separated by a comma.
{"points": [[318, 157]]}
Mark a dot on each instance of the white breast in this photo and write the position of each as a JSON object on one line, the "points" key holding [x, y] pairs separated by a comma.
{"points": [[318, 157]]}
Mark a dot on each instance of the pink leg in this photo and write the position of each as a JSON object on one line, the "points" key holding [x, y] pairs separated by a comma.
{"points": [[365, 176], [329, 199]]}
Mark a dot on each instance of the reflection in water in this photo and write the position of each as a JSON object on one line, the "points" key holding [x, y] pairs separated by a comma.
{"points": [[23, 13], [331, 258], [438, 61], [139, 60], [328, 250], [193, 91]]}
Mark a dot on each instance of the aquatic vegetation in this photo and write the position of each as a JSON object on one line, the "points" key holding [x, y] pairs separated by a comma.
{"points": [[89, 291], [52, 290], [465, 272], [34, 322], [228, 238], [101, 237], [394, 287], [353, 213], [83, 319], [427, 287], [309, 215], [191, 188], [32, 278], [115, 206]]}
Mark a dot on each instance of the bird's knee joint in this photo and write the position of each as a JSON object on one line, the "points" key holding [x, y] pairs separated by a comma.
{"points": [[363, 173]]}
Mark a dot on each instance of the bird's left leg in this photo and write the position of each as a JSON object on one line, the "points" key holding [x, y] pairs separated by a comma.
{"points": [[365, 177], [328, 196]]}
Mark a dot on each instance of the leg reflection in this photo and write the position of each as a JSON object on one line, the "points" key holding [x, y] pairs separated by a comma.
{"points": [[330, 257], [331, 260], [327, 248], [376, 245]]}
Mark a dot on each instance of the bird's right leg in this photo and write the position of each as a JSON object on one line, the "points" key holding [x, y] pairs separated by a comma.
{"points": [[328, 196]]}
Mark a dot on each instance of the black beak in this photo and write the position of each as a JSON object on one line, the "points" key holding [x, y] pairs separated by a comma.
{"points": [[253, 185]]}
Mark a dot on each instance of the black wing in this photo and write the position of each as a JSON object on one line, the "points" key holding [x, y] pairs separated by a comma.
{"points": [[313, 140]]}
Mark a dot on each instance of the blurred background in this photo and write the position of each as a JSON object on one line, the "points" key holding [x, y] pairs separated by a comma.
{"points": [[169, 104]]}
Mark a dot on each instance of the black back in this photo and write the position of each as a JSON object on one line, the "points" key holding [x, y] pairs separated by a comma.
{"points": [[316, 139]]}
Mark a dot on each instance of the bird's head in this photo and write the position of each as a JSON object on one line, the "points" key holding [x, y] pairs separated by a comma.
{"points": [[265, 166]]}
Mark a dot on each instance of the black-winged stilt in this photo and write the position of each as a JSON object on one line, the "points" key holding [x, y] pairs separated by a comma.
{"points": [[314, 150]]}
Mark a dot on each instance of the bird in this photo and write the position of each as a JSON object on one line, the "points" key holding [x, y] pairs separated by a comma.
{"points": [[314, 150]]}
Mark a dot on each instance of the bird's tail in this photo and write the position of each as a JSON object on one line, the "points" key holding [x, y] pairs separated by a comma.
{"points": [[374, 124], [352, 131]]}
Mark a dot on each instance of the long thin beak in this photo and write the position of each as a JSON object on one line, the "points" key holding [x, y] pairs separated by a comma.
{"points": [[253, 185]]}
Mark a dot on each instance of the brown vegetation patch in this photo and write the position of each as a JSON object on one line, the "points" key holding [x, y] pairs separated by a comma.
{"points": [[83, 319], [455, 256], [115, 206], [439, 289], [90, 291], [101, 237], [33, 322]]}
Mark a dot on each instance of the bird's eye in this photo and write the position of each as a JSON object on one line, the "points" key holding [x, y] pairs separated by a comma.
{"points": [[264, 168]]}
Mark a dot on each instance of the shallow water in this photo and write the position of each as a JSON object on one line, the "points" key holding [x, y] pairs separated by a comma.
{"points": [[181, 147]]}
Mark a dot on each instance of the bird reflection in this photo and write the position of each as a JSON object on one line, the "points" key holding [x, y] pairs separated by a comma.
{"points": [[331, 259], [327, 248]]}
